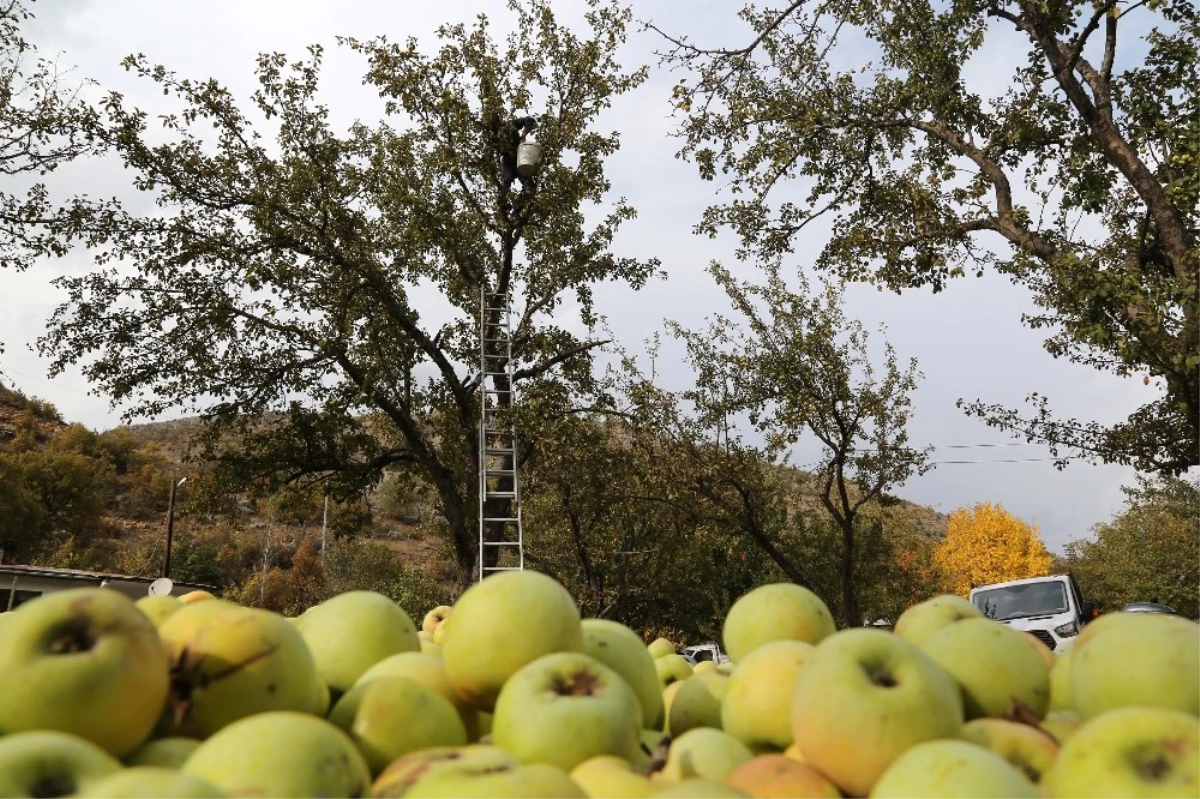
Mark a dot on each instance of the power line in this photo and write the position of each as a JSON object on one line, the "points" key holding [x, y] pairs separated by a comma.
{"points": [[6, 371], [1010, 460]]}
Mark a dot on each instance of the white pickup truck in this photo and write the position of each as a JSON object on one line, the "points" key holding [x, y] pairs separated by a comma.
{"points": [[1050, 607]]}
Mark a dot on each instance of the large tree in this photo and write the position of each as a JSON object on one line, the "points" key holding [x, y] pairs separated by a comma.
{"points": [[1079, 181], [288, 259]]}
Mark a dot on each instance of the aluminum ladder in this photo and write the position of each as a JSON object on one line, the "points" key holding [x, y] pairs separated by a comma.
{"points": [[498, 443]]}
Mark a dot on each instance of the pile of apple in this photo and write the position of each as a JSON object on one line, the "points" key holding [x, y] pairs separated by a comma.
{"points": [[511, 694]]}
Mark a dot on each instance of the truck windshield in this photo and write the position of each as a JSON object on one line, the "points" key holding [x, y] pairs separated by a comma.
{"points": [[1022, 601]]}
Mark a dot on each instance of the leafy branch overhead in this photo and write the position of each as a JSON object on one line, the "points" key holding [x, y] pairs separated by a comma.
{"points": [[1078, 180]]}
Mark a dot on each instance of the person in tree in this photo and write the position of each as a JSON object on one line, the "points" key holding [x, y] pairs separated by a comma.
{"points": [[521, 127]]}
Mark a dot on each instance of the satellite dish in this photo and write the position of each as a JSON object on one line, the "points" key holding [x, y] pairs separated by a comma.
{"points": [[161, 587]]}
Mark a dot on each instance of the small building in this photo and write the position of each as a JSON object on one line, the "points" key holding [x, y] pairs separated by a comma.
{"points": [[19, 584]]}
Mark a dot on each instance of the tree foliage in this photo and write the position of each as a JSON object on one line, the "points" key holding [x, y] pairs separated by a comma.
{"points": [[288, 259], [1079, 181], [987, 544]]}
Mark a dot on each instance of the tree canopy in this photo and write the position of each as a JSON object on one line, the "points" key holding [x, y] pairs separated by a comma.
{"points": [[987, 544]]}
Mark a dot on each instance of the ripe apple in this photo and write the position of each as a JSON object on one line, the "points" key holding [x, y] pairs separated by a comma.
{"points": [[150, 782], [653, 743], [697, 789], [922, 620], [751, 710], [434, 617], [281, 753], [1027, 748], [564, 708], [163, 752], [1130, 751], [952, 768], [863, 697], [705, 753], [660, 647], [84, 661], [776, 776], [1060, 725], [703, 666], [430, 672], [431, 649], [158, 608], [48, 763], [995, 666], [620, 648], [1147, 659], [195, 596], [671, 668], [1060, 681], [1044, 651], [351, 632], [610, 776], [774, 612], [439, 633], [237, 663], [698, 703], [390, 716], [503, 623], [668, 696], [398, 779], [794, 753]]}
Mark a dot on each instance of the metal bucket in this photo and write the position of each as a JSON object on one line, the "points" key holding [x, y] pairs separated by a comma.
{"points": [[529, 155]]}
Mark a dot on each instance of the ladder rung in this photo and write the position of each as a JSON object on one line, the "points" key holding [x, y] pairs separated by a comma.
{"points": [[494, 374], [501, 310], [502, 543], [499, 451], [500, 494], [502, 569], [500, 472], [501, 519], [497, 391]]}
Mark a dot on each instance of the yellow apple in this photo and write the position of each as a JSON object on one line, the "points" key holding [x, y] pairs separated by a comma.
{"points": [[697, 789], [159, 608], [610, 776], [163, 752], [774, 612], [779, 777], [1060, 682], [660, 647], [922, 620], [150, 782], [1060, 725], [703, 666], [1044, 651], [399, 778], [672, 668], [472, 771], [620, 648], [705, 753], [195, 596], [751, 710], [430, 672], [952, 768], [48, 764], [698, 703], [434, 617], [1027, 748]]}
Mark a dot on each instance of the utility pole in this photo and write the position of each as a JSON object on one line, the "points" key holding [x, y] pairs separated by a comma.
{"points": [[166, 570], [324, 524]]}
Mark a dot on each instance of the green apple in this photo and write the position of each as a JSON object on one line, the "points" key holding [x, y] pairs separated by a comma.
{"points": [[703, 666], [952, 768], [281, 753], [351, 632], [196, 596], [439, 633], [1147, 659], [1026, 747], [434, 617], [751, 710], [389, 716], [1044, 652], [163, 752], [769, 776], [779, 611], [503, 623], [653, 745], [430, 672], [668, 696], [612, 777], [151, 782], [922, 620], [660, 647], [564, 708], [398, 779], [431, 649], [239, 662], [50, 764], [1060, 725], [704, 753], [995, 666], [671, 668], [697, 789], [863, 697], [620, 648], [698, 703], [1130, 751], [1060, 682], [159, 608], [84, 661]]}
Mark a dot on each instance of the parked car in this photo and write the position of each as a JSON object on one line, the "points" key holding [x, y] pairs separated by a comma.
{"points": [[701, 652], [1148, 607], [1050, 608]]}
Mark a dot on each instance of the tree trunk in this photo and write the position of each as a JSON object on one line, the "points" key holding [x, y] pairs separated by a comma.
{"points": [[849, 593]]}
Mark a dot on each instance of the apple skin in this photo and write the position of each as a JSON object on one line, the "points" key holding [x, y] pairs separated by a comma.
{"points": [[402, 773], [697, 789], [158, 608], [779, 777], [238, 663], [1060, 725], [565, 708], [430, 672], [164, 753], [83, 648], [1028, 748], [439, 633], [698, 703], [922, 620], [620, 648], [281, 753], [351, 632], [773, 612], [150, 782], [1131, 751], [388, 717], [660, 647], [430, 648], [672, 668], [502, 623], [1136, 659], [751, 710], [863, 697], [1060, 682], [995, 666], [952, 768], [612, 777], [704, 753], [195, 596], [433, 617], [50, 763], [1044, 651]]}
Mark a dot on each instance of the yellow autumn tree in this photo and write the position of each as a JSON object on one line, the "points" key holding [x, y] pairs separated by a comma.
{"points": [[987, 544]]}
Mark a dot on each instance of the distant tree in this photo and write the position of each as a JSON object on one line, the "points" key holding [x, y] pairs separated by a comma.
{"points": [[987, 544]]}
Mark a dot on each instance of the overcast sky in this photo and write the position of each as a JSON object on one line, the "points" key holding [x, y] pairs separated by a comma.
{"points": [[968, 340]]}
